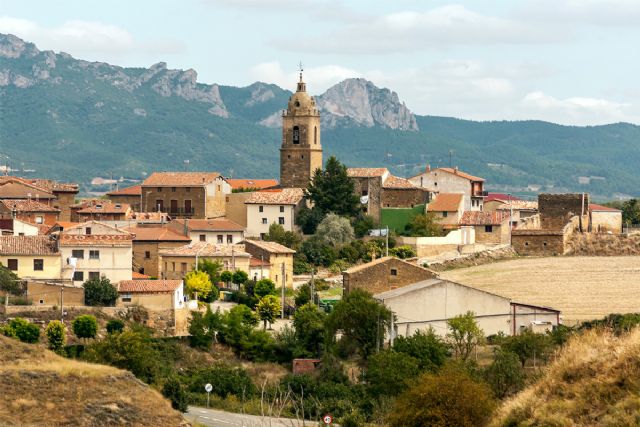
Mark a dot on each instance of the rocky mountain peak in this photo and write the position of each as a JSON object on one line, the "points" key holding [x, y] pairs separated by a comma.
{"points": [[14, 47]]}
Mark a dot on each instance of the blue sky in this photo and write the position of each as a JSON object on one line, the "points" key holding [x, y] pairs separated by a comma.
{"points": [[565, 61]]}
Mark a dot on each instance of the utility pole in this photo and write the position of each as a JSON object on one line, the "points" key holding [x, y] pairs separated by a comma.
{"points": [[387, 241], [313, 301], [261, 264], [62, 303], [284, 282], [510, 219]]}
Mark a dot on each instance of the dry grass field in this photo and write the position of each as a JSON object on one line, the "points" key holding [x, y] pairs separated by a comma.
{"points": [[582, 287]]}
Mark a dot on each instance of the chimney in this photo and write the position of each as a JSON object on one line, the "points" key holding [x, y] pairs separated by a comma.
{"points": [[455, 170], [186, 227], [428, 169]]}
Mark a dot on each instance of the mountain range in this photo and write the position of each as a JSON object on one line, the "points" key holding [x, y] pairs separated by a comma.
{"points": [[70, 119]]}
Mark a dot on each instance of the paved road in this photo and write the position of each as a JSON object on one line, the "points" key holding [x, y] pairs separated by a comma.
{"points": [[215, 418]]}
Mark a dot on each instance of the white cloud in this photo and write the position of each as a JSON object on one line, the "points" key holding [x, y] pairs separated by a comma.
{"points": [[576, 110], [444, 26], [596, 12], [84, 37], [318, 79]]}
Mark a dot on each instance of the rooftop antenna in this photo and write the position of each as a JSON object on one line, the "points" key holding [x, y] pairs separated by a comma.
{"points": [[301, 69], [450, 158]]}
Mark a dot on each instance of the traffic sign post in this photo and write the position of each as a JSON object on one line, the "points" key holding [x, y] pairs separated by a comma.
{"points": [[208, 387], [328, 419]]}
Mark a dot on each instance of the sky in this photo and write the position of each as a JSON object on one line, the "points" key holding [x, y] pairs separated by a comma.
{"points": [[573, 62]]}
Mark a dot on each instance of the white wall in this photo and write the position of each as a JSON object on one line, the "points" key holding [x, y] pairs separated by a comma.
{"points": [[24, 229], [462, 236], [115, 263], [212, 236], [271, 212], [444, 182]]}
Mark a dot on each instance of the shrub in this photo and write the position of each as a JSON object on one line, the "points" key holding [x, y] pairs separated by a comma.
{"points": [[198, 282], [85, 326], [318, 253], [115, 326], [300, 266], [264, 287], [240, 277], [389, 372], [202, 329], [402, 252], [24, 330], [505, 374], [334, 230], [268, 309], [225, 379], [528, 345], [308, 323], [100, 292], [339, 266], [362, 225], [56, 335], [176, 393], [427, 348]]}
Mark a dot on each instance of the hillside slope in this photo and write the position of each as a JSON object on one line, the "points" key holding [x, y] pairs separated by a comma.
{"points": [[594, 382], [43, 389]]}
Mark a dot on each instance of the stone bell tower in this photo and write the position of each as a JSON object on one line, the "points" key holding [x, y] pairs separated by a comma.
{"points": [[301, 151]]}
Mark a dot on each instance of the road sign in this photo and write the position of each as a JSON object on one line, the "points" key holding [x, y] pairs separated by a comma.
{"points": [[208, 388], [328, 419]]}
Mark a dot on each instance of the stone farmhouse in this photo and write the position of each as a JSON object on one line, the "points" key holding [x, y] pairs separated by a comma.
{"points": [[176, 262], [453, 180]]}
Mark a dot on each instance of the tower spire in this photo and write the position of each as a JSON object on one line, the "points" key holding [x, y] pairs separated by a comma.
{"points": [[302, 87]]}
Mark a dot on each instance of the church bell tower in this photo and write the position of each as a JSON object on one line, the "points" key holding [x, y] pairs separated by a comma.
{"points": [[301, 151]]}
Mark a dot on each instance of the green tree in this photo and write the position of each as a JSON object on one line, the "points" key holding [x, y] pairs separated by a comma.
{"points": [[212, 268], [85, 326], [505, 374], [319, 253], [424, 225], [362, 320], [363, 224], [427, 348], [115, 326], [238, 323], [226, 276], [402, 252], [450, 398], [198, 283], [334, 230], [278, 234], [528, 345], [389, 372], [203, 328], [100, 292], [9, 281], [24, 330], [176, 393], [308, 323], [332, 190], [56, 335], [308, 219], [631, 211], [464, 335], [264, 287], [268, 309], [240, 277]]}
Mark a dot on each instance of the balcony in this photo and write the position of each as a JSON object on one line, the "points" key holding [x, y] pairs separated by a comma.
{"points": [[178, 211], [480, 194]]}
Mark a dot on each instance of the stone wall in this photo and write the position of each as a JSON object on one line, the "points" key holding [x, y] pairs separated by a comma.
{"points": [[132, 200], [538, 242], [383, 275], [151, 265], [557, 209], [372, 187], [403, 198], [150, 195], [63, 202], [498, 233], [235, 209]]}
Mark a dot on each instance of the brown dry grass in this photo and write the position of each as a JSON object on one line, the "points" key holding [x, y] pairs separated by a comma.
{"points": [[595, 381], [40, 388], [583, 288]]}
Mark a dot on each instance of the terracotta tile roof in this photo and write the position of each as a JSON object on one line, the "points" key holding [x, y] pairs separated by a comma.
{"points": [[121, 240], [484, 218], [180, 179], [156, 234], [271, 247], [256, 262], [520, 205], [206, 249], [61, 225], [103, 207], [239, 184], [397, 183], [367, 172], [445, 202], [135, 190], [460, 173], [500, 197], [217, 224], [28, 245], [139, 276], [150, 217], [283, 196], [27, 206], [148, 286], [600, 208], [51, 185], [12, 187]]}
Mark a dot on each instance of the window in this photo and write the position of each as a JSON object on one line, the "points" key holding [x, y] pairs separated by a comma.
{"points": [[260, 208], [159, 189], [147, 255], [20, 234], [126, 297], [220, 238], [78, 253], [12, 264], [264, 221], [219, 188], [488, 228], [78, 276], [188, 189], [94, 275], [39, 220], [173, 266], [394, 272], [94, 254], [229, 238], [445, 214], [421, 181], [365, 192], [315, 134], [296, 135], [41, 301], [38, 265], [87, 231], [281, 220], [173, 189], [262, 236], [183, 266], [281, 208], [302, 156], [203, 237]]}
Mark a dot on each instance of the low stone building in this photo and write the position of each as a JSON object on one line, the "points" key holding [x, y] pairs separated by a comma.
{"points": [[604, 219], [100, 210], [176, 262], [556, 210], [383, 274], [218, 230], [278, 257], [129, 195], [155, 295], [490, 227], [52, 193], [54, 293], [148, 242]]}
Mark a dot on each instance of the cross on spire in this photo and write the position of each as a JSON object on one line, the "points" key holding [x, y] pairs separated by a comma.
{"points": [[301, 69]]}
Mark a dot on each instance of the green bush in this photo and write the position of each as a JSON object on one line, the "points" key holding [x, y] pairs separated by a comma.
{"points": [[176, 393], [225, 379], [402, 252], [203, 328], [528, 345], [115, 326], [100, 292], [56, 335], [85, 326], [240, 277], [390, 373], [427, 348], [300, 266], [505, 374], [24, 330], [339, 266], [264, 287]]}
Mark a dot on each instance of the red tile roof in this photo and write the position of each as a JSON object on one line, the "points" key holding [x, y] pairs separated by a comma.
{"points": [[255, 262], [460, 173], [500, 197], [396, 183], [27, 206], [148, 286], [28, 245], [484, 218], [139, 276], [55, 186], [241, 184], [600, 208], [283, 196], [12, 187], [218, 224], [271, 247], [135, 190], [156, 234], [445, 202], [103, 207], [180, 179], [122, 240], [367, 172]]}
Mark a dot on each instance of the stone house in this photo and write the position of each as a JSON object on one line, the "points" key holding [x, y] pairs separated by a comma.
{"points": [[31, 211], [53, 293], [64, 194], [604, 219], [148, 242], [131, 196], [453, 180], [31, 257], [267, 207], [176, 262], [490, 227], [52, 193], [378, 189], [518, 210], [185, 194], [100, 210], [219, 230], [448, 209], [278, 257], [431, 303], [98, 250], [154, 295], [556, 210], [383, 274]]}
